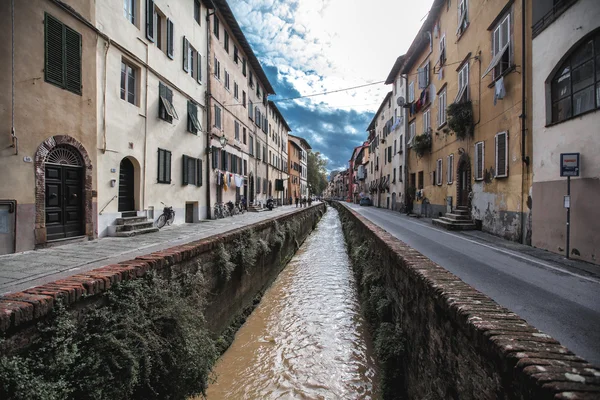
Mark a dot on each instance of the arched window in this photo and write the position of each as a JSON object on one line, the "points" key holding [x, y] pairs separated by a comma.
{"points": [[576, 84]]}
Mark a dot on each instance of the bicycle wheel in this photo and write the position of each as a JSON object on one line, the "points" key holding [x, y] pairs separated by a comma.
{"points": [[161, 221], [171, 218], [216, 213]]}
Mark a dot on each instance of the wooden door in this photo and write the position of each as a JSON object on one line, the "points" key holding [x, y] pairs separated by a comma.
{"points": [[64, 200], [126, 186]]}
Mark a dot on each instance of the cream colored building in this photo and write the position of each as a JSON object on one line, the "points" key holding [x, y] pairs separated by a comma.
{"points": [[48, 189], [303, 158], [566, 103], [278, 156], [238, 112], [152, 82]]}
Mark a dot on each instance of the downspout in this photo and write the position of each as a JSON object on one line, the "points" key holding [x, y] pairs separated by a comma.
{"points": [[524, 158], [15, 140], [107, 45], [208, 96], [145, 132]]}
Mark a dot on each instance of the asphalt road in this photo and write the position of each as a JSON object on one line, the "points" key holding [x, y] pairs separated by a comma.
{"points": [[559, 300]]}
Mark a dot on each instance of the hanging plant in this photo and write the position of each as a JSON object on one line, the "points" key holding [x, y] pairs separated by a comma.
{"points": [[460, 119], [421, 144]]}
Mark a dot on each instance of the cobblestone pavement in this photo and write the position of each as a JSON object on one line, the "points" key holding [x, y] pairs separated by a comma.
{"points": [[31, 268]]}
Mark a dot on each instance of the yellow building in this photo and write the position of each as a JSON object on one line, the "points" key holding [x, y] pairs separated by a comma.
{"points": [[468, 58]]}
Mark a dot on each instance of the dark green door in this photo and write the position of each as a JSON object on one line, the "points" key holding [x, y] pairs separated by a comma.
{"points": [[126, 186], [64, 201]]}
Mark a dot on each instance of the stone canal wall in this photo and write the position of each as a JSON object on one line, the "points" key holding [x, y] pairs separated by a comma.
{"points": [[235, 267], [438, 338]]}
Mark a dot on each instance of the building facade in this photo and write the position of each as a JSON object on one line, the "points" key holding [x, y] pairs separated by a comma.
{"points": [[48, 129], [152, 79], [305, 148], [467, 122], [566, 100], [278, 155], [294, 175]]}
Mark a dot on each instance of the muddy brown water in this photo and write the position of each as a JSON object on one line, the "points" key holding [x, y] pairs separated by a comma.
{"points": [[307, 338]]}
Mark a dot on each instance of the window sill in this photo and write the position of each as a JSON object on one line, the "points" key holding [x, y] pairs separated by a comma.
{"points": [[501, 176], [443, 125], [512, 68], [571, 118]]}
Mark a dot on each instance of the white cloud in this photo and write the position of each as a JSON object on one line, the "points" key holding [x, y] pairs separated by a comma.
{"points": [[325, 45]]}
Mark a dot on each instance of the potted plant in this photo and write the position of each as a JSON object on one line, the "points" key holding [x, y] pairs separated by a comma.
{"points": [[422, 144], [460, 119]]}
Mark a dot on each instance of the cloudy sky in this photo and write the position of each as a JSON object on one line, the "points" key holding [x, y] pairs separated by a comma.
{"points": [[315, 46]]}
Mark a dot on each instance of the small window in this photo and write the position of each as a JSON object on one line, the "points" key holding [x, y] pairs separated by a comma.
{"points": [[244, 98], [251, 80], [237, 130], [226, 41], [216, 28], [420, 180], [236, 91], [129, 81], [463, 17], [129, 10], [244, 66], [411, 92], [479, 160], [164, 166], [236, 56], [166, 110], [193, 123], [244, 135], [463, 84], [501, 155], [438, 172], [192, 171], [412, 131], [227, 85], [217, 67], [442, 108], [450, 169], [423, 76], [427, 121], [251, 147], [501, 49], [217, 116], [197, 9], [63, 55], [442, 56]]}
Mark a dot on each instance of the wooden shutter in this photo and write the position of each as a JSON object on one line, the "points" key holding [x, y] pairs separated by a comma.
{"points": [[186, 50], [479, 160], [501, 155], [190, 124], [54, 51], [161, 165], [168, 166], [184, 170], [73, 60], [198, 172], [150, 20], [199, 68], [170, 29]]}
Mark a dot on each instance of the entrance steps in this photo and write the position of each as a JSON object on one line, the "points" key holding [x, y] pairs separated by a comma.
{"points": [[253, 208], [458, 220], [128, 225]]}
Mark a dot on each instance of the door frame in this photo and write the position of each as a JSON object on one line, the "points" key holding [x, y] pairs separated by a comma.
{"points": [[463, 165], [88, 216], [133, 184]]}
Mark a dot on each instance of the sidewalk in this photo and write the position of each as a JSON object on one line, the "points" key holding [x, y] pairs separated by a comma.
{"points": [[21, 271]]}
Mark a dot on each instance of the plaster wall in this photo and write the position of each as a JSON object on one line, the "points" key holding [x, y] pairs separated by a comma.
{"points": [[134, 130], [577, 135], [399, 137], [42, 110]]}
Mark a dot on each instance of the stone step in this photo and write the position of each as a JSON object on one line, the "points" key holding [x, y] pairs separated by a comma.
{"points": [[135, 226], [457, 222], [453, 226], [130, 220], [459, 211], [136, 232], [457, 217], [128, 214]]}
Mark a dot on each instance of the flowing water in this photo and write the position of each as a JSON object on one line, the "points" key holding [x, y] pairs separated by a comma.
{"points": [[306, 339]]}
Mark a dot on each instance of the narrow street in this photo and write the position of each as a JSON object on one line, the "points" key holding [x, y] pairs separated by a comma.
{"points": [[560, 300]]}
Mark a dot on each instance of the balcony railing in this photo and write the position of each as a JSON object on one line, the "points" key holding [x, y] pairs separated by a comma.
{"points": [[560, 7]]}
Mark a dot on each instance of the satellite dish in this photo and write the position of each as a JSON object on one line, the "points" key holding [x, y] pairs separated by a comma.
{"points": [[400, 101]]}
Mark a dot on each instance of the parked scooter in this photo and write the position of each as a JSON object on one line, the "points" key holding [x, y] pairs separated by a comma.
{"points": [[270, 204]]}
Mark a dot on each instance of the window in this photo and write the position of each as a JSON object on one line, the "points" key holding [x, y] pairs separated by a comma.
{"points": [[420, 180], [217, 116], [258, 91], [192, 61], [479, 160], [128, 82], [216, 28], [438, 172], [463, 84], [442, 107], [192, 171], [574, 89], [501, 51], [237, 130], [236, 56], [264, 157], [412, 131], [251, 80], [236, 91], [226, 41], [197, 9], [390, 154], [193, 124], [442, 57], [227, 86], [244, 98], [217, 69], [245, 172], [63, 55], [427, 121], [423, 75], [463, 16], [251, 147], [129, 10], [450, 169], [400, 173], [166, 111], [501, 155], [244, 135], [164, 166], [411, 92], [244, 66], [395, 148]]}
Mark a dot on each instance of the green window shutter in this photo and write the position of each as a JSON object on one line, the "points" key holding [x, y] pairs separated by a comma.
{"points": [[168, 167], [199, 172], [161, 165], [73, 60], [199, 68], [184, 165], [186, 50], [190, 125], [54, 68], [170, 31], [150, 20]]}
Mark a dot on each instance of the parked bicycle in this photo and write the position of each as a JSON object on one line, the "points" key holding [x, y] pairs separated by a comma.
{"points": [[166, 217]]}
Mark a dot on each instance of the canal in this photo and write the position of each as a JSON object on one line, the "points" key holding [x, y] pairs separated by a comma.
{"points": [[307, 338]]}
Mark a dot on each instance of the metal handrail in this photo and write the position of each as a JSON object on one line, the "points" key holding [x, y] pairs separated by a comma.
{"points": [[110, 201]]}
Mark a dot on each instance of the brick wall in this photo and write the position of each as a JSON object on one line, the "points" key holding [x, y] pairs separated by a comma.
{"points": [[460, 344]]}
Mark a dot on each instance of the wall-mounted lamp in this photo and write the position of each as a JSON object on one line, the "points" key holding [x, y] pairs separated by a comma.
{"points": [[223, 141]]}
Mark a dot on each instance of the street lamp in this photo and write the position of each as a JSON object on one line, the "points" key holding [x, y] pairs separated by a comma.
{"points": [[223, 141]]}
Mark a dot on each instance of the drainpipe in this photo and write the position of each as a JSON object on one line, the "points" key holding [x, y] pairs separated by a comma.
{"points": [[208, 96], [145, 131], [524, 158], [15, 140], [107, 45]]}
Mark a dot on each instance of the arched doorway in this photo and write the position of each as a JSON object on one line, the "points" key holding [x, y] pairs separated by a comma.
{"points": [[394, 201], [126, 186], [270, 189], [64, 193], [251, 188], [463, 181]]}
